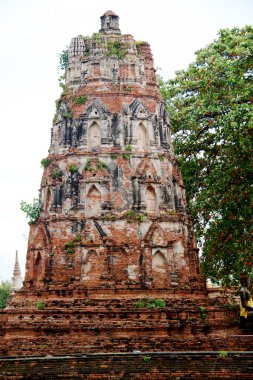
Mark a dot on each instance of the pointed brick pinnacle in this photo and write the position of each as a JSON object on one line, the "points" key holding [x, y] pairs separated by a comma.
{"points": [[16, 271]]}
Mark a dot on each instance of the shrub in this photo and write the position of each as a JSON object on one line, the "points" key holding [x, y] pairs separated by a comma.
{"points": [[223, 354], [45, 162], [80, 100], [32, 210], [78, 238], [73, 168], [150, 303], [202, 310], [56, 174], [128, 147], [87, 165], [139, 303], [64, 60], [70, 250], [40, 305], [70, 244], [116, 48], [101, 165], [58, 104], [68, 115]]}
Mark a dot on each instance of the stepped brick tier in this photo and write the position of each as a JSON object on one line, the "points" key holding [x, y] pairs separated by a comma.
{"points": [[112, 264], [131, 366]]}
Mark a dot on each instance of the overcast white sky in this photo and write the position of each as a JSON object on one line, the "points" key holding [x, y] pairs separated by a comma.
{"points": [[32, 33]]}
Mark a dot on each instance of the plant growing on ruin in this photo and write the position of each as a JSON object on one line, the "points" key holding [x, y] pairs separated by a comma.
{"points": [[68, 115], [223, 354], [70, 244], [58, 104], [56, 174], [114, 156], [80, 100], [70, 250], [102, 165], [61, 81], [40, 305], [128, 89], [131, 214], [88, 165], [116, 48], [64, 59], [128, 147], [78, 238], [32, 210], [73, 168], [45, 162], [140, 304], [202, 310], [147, 359], [211, 107], [153, 303], [126, 156], [150, 303]]}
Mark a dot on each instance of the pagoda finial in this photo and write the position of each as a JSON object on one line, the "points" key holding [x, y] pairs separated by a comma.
{"points": [[16, 271], [17, 278], [110, 23]]}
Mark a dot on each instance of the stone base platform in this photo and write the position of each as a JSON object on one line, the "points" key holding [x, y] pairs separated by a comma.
{"points": [[102, 321], [130, 366]]}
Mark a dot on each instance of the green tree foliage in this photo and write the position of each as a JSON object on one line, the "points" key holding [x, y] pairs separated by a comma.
{"points": [[5, 288], [32, 210], [64, 59], [211, 112]]}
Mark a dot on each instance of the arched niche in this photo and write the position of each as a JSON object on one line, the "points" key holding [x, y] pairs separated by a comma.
{"points": [[88, 271], [160, 269], [37, 266], [151, 200], [93, 202], [47, 199], [142, 138], [94, 136], [159, 262]]}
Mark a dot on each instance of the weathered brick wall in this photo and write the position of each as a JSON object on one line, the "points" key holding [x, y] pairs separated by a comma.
{"points": [[155, 366]]}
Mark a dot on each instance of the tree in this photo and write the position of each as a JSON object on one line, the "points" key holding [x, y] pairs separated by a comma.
{"points": [[5, 288], [32, 210], [211, 112]]}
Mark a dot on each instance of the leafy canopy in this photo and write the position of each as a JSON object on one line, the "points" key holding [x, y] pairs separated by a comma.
{"points": [[5, 288], [211, 112], [32, 210]]}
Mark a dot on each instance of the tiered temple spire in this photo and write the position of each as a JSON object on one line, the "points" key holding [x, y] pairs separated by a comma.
{"points": [[17, 280]]}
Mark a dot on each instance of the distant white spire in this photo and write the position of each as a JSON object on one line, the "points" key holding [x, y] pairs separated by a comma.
{"points": [[17, 280]]}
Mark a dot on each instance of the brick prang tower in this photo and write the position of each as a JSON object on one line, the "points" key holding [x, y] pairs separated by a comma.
{"points": [[112, 263], [114, 209]]}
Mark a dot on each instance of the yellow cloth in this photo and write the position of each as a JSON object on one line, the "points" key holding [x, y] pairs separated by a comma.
{"points": [[244, 312]]}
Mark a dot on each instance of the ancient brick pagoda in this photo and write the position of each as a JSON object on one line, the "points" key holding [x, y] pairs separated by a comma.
{"points": [[112, 263]]}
